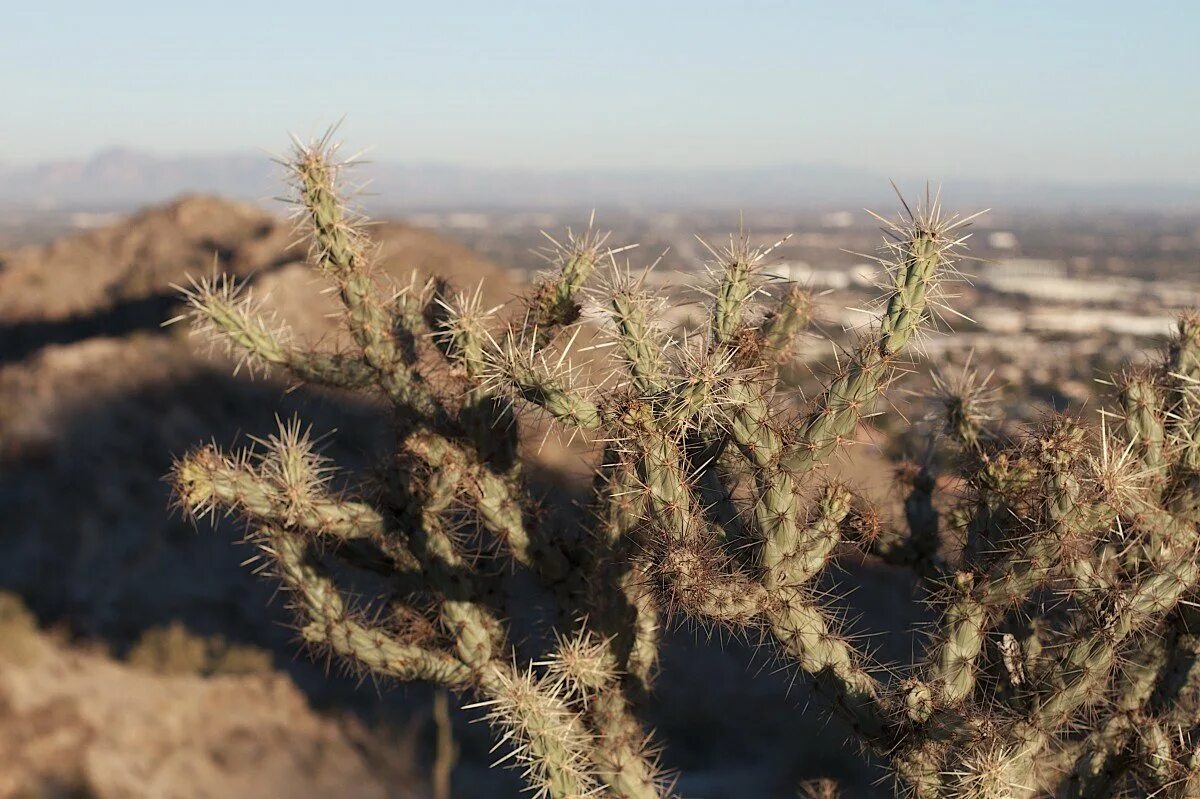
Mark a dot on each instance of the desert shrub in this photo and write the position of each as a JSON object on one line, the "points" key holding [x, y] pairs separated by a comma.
{"points": [[1062, 662], [20, 641], [176, 650], [819, 789]]}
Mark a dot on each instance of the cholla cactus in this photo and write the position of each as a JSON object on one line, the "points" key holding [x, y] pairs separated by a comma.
{"points": [[1065, 658]]}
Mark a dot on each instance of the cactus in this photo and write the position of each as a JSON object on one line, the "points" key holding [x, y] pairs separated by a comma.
{"points": [[1062, 662]]}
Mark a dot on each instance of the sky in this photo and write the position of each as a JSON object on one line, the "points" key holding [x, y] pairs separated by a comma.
{"points": [[1065, 91]]}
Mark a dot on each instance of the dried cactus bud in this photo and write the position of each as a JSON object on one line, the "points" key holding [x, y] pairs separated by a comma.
{"points": [[918, 702]]}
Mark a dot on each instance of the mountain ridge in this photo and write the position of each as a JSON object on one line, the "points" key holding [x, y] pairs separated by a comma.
{"points": [[123, 178]]}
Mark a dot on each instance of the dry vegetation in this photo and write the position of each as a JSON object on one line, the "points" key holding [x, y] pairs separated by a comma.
{"points": [[1062, 657]]}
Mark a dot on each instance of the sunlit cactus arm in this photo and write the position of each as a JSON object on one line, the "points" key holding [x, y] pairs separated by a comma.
{"points": [[639, 340], [548, 737], [283, 486], [736, 341], [960, 641], [750, 427], [661, 469], [691, 399], [461, 322], [776, 508], [805, 633], [739, 263], [924, 253], [1145, 428], [208, 477], [460, 325], [784, 323], [340, 249], [790, 556], [501, 513], [461, 329], [1144, 424], [228, 314], [791, 560], [1183, 360], [553, 304], [327, 621], [516, 367], [574, 260], [733, 349], [1183, 417], [623, 753]]}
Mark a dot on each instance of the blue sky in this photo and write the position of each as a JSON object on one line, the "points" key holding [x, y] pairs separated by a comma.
{"points": [[1052, 90]]}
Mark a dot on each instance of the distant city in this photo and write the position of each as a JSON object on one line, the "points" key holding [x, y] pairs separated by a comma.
{"points": [[1047, 302], [1054, 293]]}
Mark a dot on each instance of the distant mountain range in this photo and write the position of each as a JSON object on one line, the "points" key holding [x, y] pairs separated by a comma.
{"points": [[124, 178]]}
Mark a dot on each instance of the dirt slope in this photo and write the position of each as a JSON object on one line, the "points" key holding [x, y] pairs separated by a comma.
{"points": [[75, 722]]}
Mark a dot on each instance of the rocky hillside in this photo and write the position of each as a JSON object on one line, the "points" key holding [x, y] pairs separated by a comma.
{"points": [[117, 280], [76, 722]]}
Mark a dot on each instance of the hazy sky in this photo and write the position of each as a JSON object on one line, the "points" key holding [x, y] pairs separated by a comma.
{"points": [[1058, 90]]}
